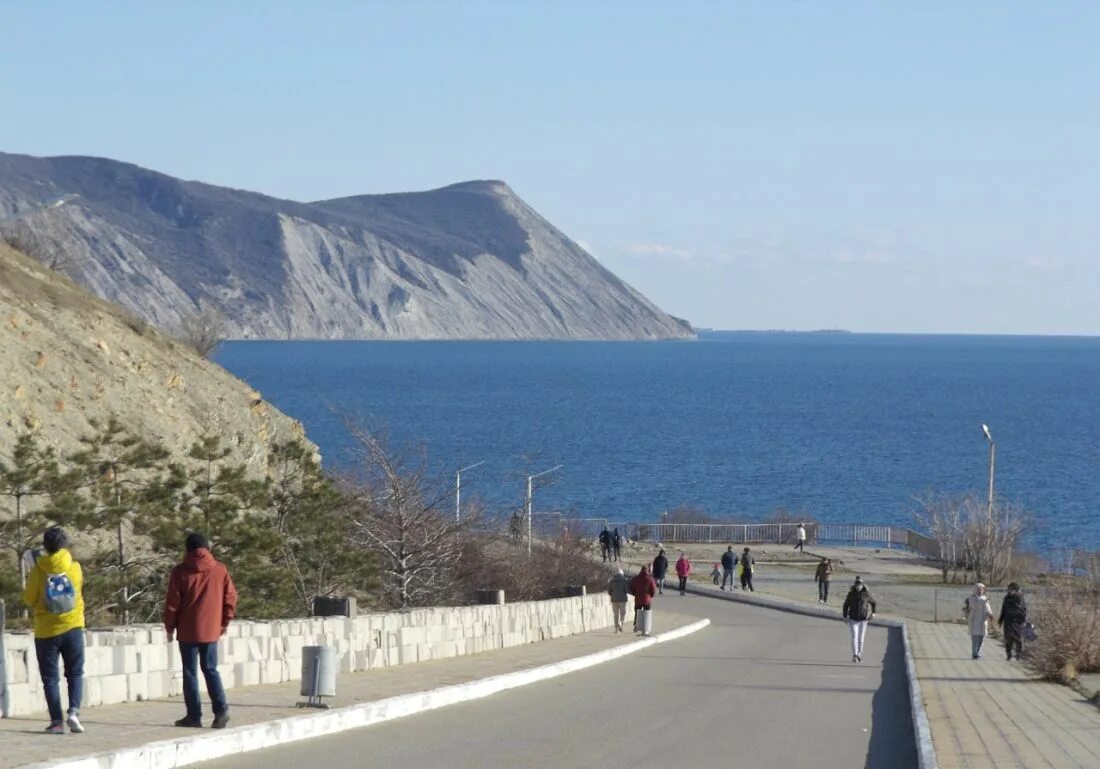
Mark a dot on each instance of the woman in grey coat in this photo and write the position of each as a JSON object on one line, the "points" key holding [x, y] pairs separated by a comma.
{"points": [[978, 613]]}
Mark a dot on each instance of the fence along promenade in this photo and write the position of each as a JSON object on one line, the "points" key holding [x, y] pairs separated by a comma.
{"points": [[555, 524]]}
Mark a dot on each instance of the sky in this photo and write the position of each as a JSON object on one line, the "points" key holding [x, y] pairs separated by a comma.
{"points": [[892, 167]]}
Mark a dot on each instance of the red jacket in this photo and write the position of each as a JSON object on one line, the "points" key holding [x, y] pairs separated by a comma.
{"points": [[683, 566], [201, 598], [643, 587]]}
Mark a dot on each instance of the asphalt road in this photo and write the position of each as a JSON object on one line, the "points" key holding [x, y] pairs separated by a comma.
{"points": [[757, 689]]}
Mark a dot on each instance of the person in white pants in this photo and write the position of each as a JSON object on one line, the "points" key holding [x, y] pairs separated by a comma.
{"points": [[859, 609]]}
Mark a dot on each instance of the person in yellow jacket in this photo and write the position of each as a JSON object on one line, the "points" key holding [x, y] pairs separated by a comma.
{"points": [[55, 592]]}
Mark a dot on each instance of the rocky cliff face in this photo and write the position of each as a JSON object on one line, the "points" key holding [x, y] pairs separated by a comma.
{"points": [[470, 261], [67, 357]]}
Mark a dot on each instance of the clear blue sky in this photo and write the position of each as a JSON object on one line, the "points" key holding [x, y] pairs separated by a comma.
{"points": [[914, 166]]}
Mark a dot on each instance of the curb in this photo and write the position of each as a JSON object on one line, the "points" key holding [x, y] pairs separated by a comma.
{"points": [[926, 753], [168, 754]]}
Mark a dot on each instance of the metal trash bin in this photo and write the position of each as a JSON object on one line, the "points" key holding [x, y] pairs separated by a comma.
{"points": [[319, 668]]}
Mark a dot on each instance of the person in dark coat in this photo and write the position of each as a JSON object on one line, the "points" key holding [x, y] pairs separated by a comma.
{"points": [[1013, 618], [748, 565], [605, 543], [729, 560], [823, 576], [859, 609], [660, 569], [617, 543]]}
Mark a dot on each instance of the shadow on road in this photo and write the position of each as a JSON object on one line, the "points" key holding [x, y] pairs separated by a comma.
{"points": [[893, 745]]}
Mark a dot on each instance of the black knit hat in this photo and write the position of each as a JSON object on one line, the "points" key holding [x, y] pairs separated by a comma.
{"points": [[195, 541], [54, 538]]}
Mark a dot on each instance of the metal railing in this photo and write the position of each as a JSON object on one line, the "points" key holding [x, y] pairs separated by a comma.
{"points": [[757, 533], [553, 525]]}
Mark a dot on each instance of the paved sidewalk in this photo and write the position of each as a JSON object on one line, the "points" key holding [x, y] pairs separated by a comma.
{"points": [[132, 724], [982, 713], [992, 713]]}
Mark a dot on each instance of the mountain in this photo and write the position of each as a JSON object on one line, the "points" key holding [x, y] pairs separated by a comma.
{"points": [[67, 357], [469, 261]]}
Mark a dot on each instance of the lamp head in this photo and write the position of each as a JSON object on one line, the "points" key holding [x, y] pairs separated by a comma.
{"points": [[988, 435]]}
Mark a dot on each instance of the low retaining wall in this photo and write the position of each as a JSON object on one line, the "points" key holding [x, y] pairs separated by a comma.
{"points": [[136, 663]]}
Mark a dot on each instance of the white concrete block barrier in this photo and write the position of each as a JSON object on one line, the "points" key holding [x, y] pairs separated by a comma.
{"points": [[184, 751], [926, 753], [128, 664]]}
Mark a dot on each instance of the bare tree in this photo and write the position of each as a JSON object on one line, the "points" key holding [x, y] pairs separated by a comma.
{"points": [[399, 516], [972, 536], [29, 243], [204, 330]]}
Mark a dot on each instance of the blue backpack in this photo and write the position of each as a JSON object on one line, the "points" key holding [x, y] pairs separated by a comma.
{"points": [[60, 594]]}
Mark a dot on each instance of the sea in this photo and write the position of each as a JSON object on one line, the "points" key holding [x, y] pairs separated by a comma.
{"points": [[830, 426]]}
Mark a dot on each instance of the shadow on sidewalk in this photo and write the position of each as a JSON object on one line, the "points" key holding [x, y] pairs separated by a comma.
{"points": [[893, 745]]}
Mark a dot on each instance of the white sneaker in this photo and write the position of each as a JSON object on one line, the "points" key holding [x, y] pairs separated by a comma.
{"points": [[74, 724]]}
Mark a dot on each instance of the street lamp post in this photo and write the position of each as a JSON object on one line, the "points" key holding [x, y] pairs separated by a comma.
{"points": [[530, 501], [458, 487], [992, 461]]}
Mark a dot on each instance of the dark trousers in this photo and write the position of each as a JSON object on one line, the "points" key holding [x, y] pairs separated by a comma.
{"points": [[746, 581], [823, 590], [205, 656], [70, 647], [799, 546], [1014, 639], [683, 584]]}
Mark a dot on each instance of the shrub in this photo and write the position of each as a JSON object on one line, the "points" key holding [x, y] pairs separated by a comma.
{"points": [[1067, 621]]}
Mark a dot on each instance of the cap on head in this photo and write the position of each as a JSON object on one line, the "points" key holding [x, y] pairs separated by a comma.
{"points": [[54, 538], [195, 541], [619, 572], [859, 580]]}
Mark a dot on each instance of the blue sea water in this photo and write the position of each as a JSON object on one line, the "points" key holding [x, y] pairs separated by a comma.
{"points": [[838, 427]]}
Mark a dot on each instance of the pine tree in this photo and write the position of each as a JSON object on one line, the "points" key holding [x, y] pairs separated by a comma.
{"points": [[32, 473], [124, 478]]}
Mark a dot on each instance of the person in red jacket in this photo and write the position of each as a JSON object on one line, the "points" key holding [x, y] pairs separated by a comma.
{"points": [[643, 587], [201, 601], [683, 569]]}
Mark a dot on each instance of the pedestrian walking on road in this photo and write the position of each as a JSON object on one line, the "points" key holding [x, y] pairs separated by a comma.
{"points": [[605, 544], [200, 602], [683, 570], [660, 569], [643, 588], [748, 566], [977, 611], [1013, 619], [800, 537], [55, 591], [729, 560], [859, 609], [619, 589], [617, 543], [823, 575]]}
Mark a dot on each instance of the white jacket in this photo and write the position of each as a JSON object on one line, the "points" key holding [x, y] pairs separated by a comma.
{"points": [[978, 613]]}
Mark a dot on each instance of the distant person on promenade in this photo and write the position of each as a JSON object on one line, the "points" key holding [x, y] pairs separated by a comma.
{"points": [[823, 575], [859, 609], [800, 539], [660, 570], [729, 560], [643, 588], [605, 544], [977, 611], [715, 574], [1013, 619], [617, 544], [683, 571], [55, 591], [748, 566], [200, 602], [619, 589]]}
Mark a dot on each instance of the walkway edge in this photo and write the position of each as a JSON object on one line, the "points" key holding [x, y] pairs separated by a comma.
{"points": [[922, 731], [184, 751]]}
